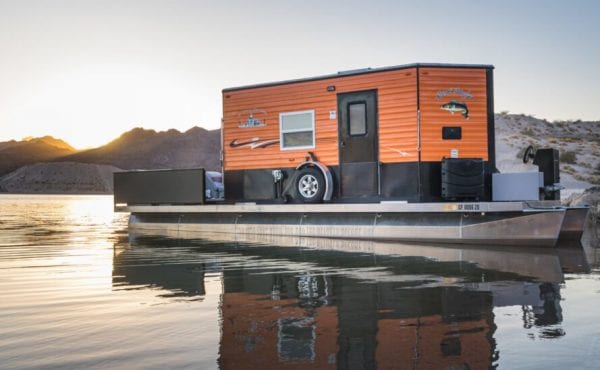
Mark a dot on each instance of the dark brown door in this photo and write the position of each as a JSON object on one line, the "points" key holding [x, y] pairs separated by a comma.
{"points": [[359, 161]]}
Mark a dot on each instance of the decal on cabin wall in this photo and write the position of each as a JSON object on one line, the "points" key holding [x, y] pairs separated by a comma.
{"points": [[454, 105], [252, 118], [253, 143], [453, 91], [401, 153]]}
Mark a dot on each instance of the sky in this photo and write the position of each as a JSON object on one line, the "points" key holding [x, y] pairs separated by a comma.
{"points": [[87, 71]]}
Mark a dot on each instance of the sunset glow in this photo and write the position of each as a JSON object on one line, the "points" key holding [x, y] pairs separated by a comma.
{"points": [[91, 106], [88, 71]]}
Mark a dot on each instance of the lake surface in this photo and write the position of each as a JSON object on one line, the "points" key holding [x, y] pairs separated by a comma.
{"points": [[76, 291]]}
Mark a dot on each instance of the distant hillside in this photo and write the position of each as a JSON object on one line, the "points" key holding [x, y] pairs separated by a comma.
{"points": [[148, 149], [578, 142], [14, 154], [60, 178]]}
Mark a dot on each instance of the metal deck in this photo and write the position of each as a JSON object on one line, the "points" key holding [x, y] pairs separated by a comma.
{"points": [[382, 207]]}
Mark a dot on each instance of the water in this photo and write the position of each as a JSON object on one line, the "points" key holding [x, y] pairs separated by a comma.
{"points": [[77, 292]]}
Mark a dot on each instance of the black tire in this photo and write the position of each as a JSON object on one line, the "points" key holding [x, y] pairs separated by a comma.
{"points": [[528, 154], [310, 185]]}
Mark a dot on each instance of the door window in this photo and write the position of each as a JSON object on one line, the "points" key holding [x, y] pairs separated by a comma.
{"points": [[357, 118]]}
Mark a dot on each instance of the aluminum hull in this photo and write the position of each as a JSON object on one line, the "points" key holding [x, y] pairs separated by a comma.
{"points": [[501, 223]]}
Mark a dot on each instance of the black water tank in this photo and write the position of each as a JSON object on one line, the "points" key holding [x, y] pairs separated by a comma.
{"points": [[463, 178]]}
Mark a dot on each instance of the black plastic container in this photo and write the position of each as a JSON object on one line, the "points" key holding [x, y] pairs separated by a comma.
{"points": [[463, 178]]}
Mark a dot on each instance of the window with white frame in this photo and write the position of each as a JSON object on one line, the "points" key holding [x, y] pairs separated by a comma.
{"points": [[297, 130]]}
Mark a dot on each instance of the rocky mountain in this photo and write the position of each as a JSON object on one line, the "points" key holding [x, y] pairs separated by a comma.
{"points": [[15, 154], [148, 149], [60, 178], [48, 165], [577, 141]]}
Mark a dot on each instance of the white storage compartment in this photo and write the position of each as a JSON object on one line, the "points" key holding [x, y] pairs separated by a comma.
{"points": [[516, 186]]}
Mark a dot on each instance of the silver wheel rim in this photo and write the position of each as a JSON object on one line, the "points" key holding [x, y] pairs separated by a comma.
{"points": [[308, 186]]}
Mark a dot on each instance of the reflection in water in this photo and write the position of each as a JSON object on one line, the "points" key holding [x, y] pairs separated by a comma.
{"points": [[76, 292], [549, 314], [297, 307]]}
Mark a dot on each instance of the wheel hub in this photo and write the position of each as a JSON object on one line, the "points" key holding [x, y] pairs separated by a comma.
{"points": [[308, 186]]}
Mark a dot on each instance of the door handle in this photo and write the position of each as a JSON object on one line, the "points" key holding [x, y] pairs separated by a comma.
{"points": [[342, 143]]}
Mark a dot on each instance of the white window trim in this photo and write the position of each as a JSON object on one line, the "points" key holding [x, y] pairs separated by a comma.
{"points": [[281, 132]]}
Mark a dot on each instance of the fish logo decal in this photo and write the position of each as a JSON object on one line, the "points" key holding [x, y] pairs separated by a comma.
{"points": [[454, 106]]}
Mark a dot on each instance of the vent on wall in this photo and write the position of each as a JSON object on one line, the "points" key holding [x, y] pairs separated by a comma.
{"points": [[451, 133]]}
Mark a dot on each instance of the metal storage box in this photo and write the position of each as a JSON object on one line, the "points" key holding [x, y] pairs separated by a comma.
{"points": [[185, 186], [516, 186]]}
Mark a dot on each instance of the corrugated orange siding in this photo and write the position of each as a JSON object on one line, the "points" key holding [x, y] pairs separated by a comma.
{"points": [[397, 111], [474, 142], [397, 116]]}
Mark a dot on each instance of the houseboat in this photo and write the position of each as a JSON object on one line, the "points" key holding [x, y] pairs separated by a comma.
{"points": [[397, 153]]}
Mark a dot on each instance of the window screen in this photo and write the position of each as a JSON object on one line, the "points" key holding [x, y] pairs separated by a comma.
{"points": [[297, 129], [357, 118]]}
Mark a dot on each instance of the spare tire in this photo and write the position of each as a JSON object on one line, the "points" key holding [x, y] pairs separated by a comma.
{"points": [[310, 185], [529, 153]]}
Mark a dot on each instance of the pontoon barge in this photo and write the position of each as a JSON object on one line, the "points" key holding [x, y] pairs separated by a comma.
{"points": [[396, 153]]}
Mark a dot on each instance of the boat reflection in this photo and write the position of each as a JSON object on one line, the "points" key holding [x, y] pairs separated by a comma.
{"points": [[382, 306]]}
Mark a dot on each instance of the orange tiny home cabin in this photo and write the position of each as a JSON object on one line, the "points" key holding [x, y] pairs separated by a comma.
{"points": [[417, 133]]}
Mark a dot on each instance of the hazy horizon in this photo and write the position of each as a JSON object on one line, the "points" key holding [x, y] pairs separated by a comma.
{"points": [[88, 71]]}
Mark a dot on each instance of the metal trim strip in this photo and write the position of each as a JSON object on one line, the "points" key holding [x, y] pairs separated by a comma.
{"points": [[358, 72]]}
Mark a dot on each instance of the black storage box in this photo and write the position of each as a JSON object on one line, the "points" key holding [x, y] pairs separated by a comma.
{"points": [[463, 178], [548, 162]]}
